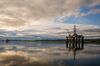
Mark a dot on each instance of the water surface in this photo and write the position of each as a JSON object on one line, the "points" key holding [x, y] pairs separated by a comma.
{"points": [[23, 53]]}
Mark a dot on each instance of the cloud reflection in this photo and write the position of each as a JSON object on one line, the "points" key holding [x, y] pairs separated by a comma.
{"points": [[27, 56]]}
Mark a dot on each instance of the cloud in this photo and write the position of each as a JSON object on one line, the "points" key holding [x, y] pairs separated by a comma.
{"points": [[27, 10], [38, 17], [51, 30]]}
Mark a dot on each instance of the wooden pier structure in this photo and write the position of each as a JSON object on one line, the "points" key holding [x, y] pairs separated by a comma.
{"points": [[75, 41]]}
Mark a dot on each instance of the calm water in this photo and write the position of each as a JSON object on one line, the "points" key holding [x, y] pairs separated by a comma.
{"points": [[18, 53]]}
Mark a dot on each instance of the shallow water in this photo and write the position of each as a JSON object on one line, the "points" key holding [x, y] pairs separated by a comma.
{"points": [[22, 53]]}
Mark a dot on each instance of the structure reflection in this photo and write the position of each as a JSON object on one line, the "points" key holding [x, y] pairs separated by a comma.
{"points": [[75, 53]]}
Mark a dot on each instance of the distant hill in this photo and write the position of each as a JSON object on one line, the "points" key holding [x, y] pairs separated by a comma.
{"points": [[97, 41]]}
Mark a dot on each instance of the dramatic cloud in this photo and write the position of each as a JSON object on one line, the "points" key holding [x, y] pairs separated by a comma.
{"points": [[36, 9], [39, 16]]}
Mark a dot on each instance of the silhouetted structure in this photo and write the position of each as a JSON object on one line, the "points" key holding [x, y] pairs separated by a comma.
{"points": [[75, 41], [7, 40]]}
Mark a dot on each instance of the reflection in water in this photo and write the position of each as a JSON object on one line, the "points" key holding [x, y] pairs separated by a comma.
{"points": [[46, 54], [75, 52]]}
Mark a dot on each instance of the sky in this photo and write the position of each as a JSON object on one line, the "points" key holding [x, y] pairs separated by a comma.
{"points": [[39, 19]]}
